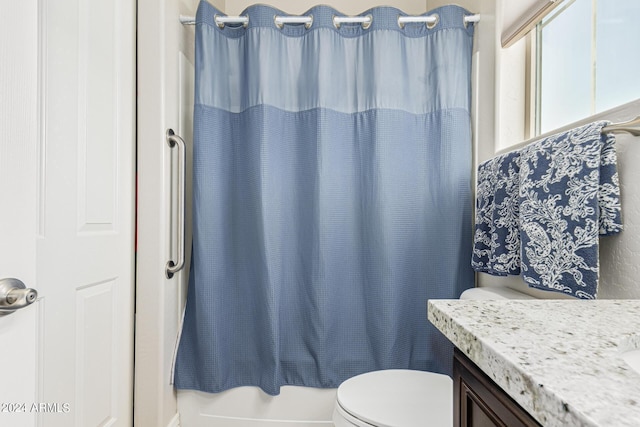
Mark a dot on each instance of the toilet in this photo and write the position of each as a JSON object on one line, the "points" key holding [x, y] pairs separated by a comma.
{"points": [[401, 397]]}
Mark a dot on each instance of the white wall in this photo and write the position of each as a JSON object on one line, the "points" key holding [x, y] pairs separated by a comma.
{"points": [[352, 7]]}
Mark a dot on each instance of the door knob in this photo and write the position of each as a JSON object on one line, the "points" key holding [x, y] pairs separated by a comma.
{"points": [[15, 295]]}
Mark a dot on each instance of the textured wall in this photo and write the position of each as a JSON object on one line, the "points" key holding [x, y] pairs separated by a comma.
{"points": [[620, 255]]}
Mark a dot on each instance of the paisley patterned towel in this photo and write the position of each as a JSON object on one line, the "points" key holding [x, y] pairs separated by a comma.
{"points": [[496, 248], [539, 211], [569, 193]]}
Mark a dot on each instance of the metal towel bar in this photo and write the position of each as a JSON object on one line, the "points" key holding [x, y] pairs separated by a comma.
{"points": [[632, 127]]}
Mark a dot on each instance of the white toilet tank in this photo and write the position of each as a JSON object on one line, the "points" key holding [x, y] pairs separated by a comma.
{"points": [[404, 398]]}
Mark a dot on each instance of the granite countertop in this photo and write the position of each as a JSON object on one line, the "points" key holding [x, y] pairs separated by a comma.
{"points": [[559, 359]]}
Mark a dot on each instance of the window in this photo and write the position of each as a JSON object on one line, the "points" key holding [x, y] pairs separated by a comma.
{"points": [[586, 60]]}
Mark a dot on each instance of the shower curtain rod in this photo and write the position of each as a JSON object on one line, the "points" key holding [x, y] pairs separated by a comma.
{"points": [[365, 21]]}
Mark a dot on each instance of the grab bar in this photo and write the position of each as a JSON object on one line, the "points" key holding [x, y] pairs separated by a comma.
{"points": [[175, 141]]}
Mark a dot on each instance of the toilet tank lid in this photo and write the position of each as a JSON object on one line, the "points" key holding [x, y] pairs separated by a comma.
{"points": [[398, 397], [492, 293]]}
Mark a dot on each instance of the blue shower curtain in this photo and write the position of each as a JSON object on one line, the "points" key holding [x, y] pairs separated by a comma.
{"points": [[331, 197]]}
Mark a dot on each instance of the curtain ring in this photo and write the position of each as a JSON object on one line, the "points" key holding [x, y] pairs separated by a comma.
{"points": [[279, 21], [431, 25], [367, 24], [470, 19], [220, 24], [364, 21], [222, 20], [430, 21]]}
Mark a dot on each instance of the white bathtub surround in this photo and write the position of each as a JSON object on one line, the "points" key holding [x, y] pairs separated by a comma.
{"points": [[560, 360], [251, 407]]}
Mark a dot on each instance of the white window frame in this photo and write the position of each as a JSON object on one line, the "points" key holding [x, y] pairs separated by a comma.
{"points": [[629, 110]]}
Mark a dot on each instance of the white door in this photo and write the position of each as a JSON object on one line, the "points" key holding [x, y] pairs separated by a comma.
{"points": [[67, 141]]}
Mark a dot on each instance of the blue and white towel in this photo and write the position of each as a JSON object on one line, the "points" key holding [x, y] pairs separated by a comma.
{"points": [[566, 194], [497, 236], [569, 194]]}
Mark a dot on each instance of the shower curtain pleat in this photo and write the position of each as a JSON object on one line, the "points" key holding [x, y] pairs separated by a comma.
{"points": [[331, 197]]}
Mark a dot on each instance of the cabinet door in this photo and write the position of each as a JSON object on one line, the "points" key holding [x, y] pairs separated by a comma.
{"points": [[479, 402]]}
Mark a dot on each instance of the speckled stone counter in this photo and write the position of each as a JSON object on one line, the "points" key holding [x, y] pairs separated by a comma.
{"points": [[560, 359]]}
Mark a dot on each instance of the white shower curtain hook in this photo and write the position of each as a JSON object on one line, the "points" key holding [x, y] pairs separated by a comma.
{"points": [[430, 21], [470, 19], [219, 23], [222, 20], [364, 21], [431, 25], [279, 21]]}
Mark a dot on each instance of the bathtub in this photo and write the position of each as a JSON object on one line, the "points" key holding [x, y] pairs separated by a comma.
{"points": [[251, 407]]}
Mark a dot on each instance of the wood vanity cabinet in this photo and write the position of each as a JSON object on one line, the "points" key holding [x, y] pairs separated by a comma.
{"points": [[479, 402]]}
